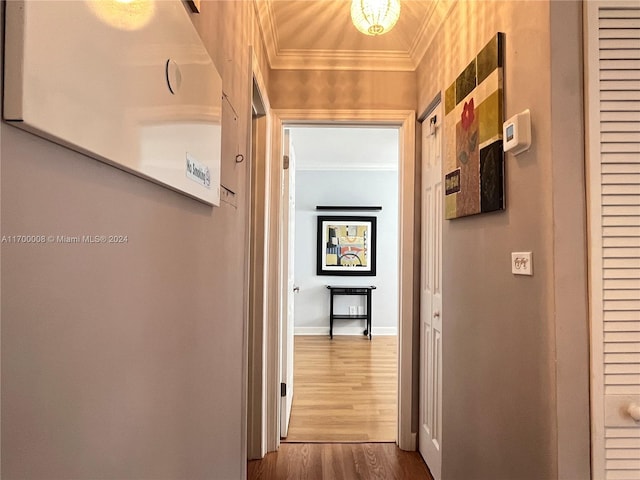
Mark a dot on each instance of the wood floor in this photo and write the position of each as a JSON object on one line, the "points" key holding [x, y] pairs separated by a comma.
{"points": [[350, 461], [345, 389]]}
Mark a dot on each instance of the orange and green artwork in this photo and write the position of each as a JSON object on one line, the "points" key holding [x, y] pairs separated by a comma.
{"points": [[346, 245], [474, 156]]}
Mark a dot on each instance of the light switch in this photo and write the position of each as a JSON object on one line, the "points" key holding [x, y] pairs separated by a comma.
{"points": [[521, 263]]}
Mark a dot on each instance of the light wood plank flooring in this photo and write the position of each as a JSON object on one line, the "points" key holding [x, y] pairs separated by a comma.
{"points": [[345, 389], [346, 461]]}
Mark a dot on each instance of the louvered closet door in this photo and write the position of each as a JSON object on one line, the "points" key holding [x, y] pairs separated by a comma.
{"points": [[613, 131]]}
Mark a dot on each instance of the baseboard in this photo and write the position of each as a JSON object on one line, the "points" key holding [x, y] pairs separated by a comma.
{"points": [[337, 330]]}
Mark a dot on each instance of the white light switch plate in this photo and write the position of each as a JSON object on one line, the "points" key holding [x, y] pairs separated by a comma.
{"points": [[521, 263]]}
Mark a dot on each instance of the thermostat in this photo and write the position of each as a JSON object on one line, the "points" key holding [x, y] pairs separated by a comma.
{"points": [[516, 133]]}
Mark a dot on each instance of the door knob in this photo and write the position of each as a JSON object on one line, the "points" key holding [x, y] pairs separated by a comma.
{"points": [[436, 314], [634, 411], [296, 289]]}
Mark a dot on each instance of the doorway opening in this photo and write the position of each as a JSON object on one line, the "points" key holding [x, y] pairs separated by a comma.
{"points": [[257, 428], [272, 343], [342, 179]]}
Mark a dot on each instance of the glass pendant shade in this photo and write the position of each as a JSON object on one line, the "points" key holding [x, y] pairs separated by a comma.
{"points": [[375, 17]]}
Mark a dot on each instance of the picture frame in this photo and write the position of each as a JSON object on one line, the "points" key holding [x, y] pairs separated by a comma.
{"points": [[473, 161], [346, 245]]}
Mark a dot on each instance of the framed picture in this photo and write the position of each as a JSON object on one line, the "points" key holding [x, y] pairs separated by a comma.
{"points": [[473, 163], [346, 245]]}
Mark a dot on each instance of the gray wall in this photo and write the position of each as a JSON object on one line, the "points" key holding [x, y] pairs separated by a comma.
{"points": [[514, 346], [345, 188], [123, 361]]}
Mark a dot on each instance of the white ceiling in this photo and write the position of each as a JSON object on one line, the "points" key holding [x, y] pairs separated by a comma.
{"points": [[345, 148], [318, 34]]}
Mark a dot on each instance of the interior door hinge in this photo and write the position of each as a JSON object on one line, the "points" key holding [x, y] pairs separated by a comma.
{"points": [[285, 162], [283, 389], [433, 121]]}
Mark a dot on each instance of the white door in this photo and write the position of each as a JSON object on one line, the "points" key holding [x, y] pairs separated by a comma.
{"points": [[288, 230], [430, 433], [613, 166]]}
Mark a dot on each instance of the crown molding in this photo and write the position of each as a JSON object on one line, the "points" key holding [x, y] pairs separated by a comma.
{"points": [[300, 59], [266, 21], [430, 27], [420, 41], [291, 59]]}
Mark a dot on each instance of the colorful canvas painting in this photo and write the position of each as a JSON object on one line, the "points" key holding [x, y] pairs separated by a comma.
{"points": [[346, 245], [474, 156]]}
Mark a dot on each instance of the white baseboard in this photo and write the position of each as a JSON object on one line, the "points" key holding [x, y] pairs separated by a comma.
{"points": [[337, 330]]}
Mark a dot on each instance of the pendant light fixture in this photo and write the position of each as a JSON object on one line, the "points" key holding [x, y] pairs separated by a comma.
{"points": [[375, 17]]}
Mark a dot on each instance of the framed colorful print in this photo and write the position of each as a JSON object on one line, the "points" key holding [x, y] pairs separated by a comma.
{"points": [[473, 155], [346, 245]]}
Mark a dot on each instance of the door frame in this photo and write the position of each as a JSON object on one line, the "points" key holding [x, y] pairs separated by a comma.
{"points": [[434, 110], [254, 439], [286, 290], [405, 120], [592, 165]]}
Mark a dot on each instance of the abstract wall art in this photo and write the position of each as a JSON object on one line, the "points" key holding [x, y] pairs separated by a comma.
{"points": [[346, 245], [474, 157]]}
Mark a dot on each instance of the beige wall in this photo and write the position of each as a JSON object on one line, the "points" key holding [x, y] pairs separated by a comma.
{"points": [[342, 89], [501, 396], [123, 361]]}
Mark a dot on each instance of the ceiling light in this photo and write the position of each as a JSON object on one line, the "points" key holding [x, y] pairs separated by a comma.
{"points": [[375, 17]]}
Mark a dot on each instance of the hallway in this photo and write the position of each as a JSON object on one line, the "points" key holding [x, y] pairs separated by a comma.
{"points": [[155, 352], [339, 461]]}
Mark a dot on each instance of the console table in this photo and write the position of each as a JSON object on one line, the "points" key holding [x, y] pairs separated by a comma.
{"points": [[349, 290]]}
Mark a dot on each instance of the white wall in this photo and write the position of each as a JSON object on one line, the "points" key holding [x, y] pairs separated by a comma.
{"points": [[346, 188]]}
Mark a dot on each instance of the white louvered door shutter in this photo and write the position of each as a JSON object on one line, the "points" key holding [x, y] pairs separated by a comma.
{"points": [[613, 157]]}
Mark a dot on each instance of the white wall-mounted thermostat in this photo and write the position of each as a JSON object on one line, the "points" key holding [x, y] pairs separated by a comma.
{"points": [[516, 133]]}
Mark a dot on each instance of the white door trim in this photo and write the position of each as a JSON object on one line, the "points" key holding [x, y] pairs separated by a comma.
{"points": [[431, 313], [287, 232], [406, 121], [595, 239], [254, 368]]}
